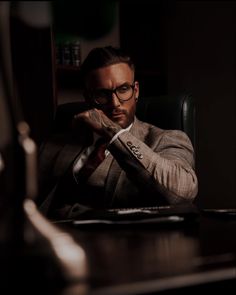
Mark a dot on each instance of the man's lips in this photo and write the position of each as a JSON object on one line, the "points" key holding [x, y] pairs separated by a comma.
{"points": [[117, 115], [118, 111]]}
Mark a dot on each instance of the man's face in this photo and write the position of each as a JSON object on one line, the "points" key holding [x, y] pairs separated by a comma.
{"points": [[118, 76]]}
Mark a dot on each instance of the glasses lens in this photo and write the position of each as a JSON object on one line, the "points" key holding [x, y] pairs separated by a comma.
{"points": [[125, 92], [104, 96], [101, 96]]}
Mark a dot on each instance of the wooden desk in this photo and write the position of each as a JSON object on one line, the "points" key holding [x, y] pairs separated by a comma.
{"points": [[150, 260], [172, 259]]}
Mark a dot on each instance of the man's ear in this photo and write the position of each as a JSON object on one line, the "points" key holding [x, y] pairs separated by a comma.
{"points": [[136, 89]]}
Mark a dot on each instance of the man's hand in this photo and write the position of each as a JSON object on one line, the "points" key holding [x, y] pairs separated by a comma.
{"points": [[98, 122]]}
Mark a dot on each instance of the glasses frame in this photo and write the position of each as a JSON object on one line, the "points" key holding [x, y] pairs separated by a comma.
{"points": [[111, 91]]}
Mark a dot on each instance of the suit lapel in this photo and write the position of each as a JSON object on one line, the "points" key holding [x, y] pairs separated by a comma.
{"points": [[63, 162], [71, 150], [66, 157]]}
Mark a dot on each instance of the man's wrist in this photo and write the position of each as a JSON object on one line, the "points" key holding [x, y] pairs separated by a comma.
{"points": [[111, 130], [116, 135]]}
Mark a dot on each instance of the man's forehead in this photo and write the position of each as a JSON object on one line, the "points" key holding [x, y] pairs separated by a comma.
{"points": [[117, 73]]}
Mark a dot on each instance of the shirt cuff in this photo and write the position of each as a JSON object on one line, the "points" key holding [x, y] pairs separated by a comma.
{"points": [[117, 134]]}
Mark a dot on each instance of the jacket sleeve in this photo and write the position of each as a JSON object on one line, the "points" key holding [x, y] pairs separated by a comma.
{"points": [[165, 164]]}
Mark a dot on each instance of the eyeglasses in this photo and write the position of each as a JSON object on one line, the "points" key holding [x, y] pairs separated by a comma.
{"points": [[104, 96]]}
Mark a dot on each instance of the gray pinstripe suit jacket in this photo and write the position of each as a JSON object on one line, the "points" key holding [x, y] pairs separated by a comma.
{"points": [[147, 166]]}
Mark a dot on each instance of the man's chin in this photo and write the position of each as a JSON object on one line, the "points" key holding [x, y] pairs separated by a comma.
{"points": [[123, 123]]}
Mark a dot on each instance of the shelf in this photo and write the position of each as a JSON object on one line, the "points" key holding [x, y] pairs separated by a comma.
{"points": [[67, 68]]}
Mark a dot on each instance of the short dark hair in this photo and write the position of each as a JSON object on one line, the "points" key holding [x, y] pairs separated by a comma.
{"points": [[104, 56]]}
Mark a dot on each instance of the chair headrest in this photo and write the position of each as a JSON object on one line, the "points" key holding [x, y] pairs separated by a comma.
{"points": [[169, 112]]}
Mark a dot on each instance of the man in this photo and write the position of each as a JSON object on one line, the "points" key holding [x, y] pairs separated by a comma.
{"points": [[144, 165]]}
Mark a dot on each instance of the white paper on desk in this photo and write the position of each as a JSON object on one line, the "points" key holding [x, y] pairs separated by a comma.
{"points": [[163, 219]]}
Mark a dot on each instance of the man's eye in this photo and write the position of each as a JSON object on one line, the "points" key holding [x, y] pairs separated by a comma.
{"points": [[123, 88], [100, 93]]}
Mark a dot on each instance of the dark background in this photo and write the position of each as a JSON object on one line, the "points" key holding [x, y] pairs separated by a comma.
{"points": [[178, 46]]}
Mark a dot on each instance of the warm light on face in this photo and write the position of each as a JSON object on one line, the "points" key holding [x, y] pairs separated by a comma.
{"points": [[113, 90]]}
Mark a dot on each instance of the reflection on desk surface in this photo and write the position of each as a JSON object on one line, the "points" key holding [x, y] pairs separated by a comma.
{"points": [[161, 257], [142, 260]]}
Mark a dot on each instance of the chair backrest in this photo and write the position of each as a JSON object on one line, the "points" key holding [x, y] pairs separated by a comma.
{"points": [[167, 112]]}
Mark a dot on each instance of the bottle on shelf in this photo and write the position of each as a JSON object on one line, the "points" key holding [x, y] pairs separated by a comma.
{"points": [[68, 53], [75, 53]]}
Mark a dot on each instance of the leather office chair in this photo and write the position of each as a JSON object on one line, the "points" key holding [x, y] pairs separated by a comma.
{"points": [[167, 112]]}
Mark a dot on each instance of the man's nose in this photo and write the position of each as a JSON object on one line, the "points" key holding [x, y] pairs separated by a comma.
{"points": [[115, 100]]}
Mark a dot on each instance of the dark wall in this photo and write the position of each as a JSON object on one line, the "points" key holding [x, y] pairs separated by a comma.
{"points": [[141, 36], [201, 58], [190, 46]]}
